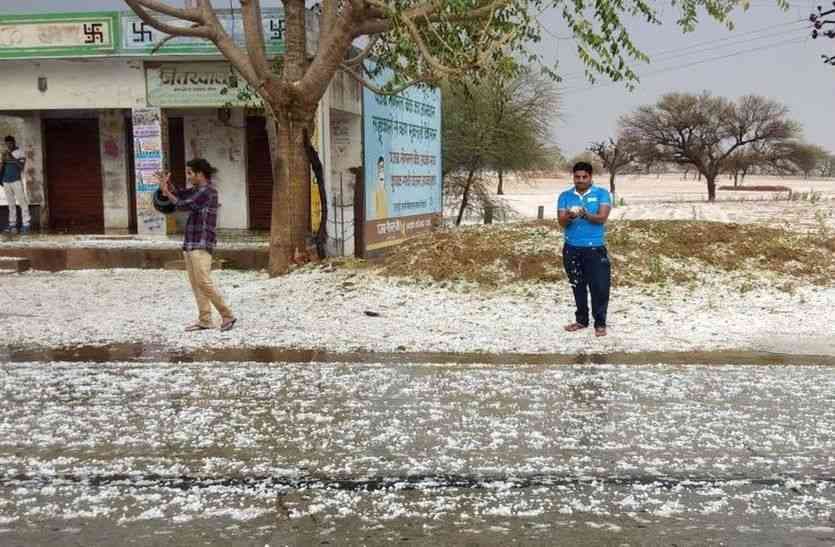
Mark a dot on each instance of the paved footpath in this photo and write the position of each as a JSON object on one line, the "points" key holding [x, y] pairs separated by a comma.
{"points": [[211, 453]]}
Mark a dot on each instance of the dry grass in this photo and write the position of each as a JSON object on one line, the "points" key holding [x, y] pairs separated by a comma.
{"points": [[643, 252]]}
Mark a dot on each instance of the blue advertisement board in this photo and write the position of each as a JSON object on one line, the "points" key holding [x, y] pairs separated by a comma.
{"points": [[401, 163]]}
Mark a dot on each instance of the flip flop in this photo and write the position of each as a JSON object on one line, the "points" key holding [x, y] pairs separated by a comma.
{"points": [[196, 327], [227, 325], [574, 327], [600, 331]]}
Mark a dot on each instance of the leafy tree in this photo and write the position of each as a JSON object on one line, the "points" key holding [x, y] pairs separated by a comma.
{"points": [[493, 124], [806, 157], [826, 168], [705, 131], [423, 41], [523, 109]]}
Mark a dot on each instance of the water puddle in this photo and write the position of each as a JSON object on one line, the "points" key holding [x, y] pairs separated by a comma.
{"points": [[150, 353]]}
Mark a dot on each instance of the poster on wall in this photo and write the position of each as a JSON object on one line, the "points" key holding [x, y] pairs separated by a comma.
{"points": [[401, 164], [148, 161]]}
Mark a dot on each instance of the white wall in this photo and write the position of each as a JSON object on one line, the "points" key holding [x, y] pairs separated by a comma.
{"points": [[345, 147], [345, 93], [77, 83], [223, 145], [114, 170]]}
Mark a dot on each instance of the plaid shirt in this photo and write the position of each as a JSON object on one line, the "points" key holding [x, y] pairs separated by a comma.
{"points": [[202, 204]]}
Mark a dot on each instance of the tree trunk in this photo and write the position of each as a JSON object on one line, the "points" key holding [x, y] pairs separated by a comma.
{"points": [[612, 185], [465, 197], [711, 187], [290, 224], [500, 190], [736, 179], [318, 171]]}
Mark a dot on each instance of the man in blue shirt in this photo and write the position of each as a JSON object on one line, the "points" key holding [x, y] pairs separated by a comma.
{"points": [[583, 211]]}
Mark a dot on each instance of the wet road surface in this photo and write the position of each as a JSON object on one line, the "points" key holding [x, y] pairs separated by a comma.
{"points": [[221, 453]]}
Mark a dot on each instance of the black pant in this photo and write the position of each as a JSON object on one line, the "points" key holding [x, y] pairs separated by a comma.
{"points": [[589, 270]]}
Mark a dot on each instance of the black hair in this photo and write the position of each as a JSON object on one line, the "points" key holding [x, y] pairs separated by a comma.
{"points": [[9, 138], [381, 159], [199, 165], [582, 166]]}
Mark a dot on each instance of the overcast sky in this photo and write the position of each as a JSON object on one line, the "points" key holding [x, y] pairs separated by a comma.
{"points": [[770, 53]]}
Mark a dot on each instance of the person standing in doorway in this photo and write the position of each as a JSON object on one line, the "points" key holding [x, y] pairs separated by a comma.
{"points": [[11, 178], [201, 201], [583, 211]]}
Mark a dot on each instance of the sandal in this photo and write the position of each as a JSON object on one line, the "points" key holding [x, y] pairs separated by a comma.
{"points": [[574, 327], [196, 327], [600, 331], [227, 325]]}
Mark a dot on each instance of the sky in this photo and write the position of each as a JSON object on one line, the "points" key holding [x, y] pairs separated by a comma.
{"points": [[770, 52]]}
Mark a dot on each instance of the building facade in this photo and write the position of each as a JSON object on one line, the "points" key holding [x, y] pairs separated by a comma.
{"points": [[99, 106]]}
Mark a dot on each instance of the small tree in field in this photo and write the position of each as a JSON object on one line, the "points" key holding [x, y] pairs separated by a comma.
{"points": [[616, 156], [826, 168], [742, 161], [422, 41], [705, 131], [524, 108], [806, 157], [496, 123]]}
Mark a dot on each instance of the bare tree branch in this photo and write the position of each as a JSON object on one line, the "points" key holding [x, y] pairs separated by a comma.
{"points": [[379, 90], [361, 56], [254, 36], [377, 20], [162, 43], [234, 54], [330, 54], [433, 62], [188, 14], [202, 31], [328, 15]]}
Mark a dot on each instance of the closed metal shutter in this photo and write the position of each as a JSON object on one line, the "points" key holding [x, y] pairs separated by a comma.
{"points": [[259, 174], [73, 174]]}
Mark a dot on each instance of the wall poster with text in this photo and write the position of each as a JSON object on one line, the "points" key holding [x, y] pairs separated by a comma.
{"points": [[148, 161], [401, 163]]}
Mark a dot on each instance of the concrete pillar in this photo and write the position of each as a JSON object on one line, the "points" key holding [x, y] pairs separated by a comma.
{"points": [[32, 146], [114, 171]]}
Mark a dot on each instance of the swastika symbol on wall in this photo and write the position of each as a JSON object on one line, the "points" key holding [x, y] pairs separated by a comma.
{"points": [[93, 33], [277, 28], [141, 34]]}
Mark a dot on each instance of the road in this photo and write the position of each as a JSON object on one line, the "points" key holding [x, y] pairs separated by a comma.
{"points": [[220, 453]]}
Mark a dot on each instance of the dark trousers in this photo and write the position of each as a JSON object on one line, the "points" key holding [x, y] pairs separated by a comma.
{"points": [[589, 270]]}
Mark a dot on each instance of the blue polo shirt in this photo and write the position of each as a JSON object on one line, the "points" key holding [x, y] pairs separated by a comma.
{"points": [[580, 232]]}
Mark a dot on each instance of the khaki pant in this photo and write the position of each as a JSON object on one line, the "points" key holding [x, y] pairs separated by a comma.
{"points": [[199, 267]]}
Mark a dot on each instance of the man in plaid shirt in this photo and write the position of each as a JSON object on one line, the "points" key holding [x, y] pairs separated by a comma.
{"points": [[201, 202]]}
